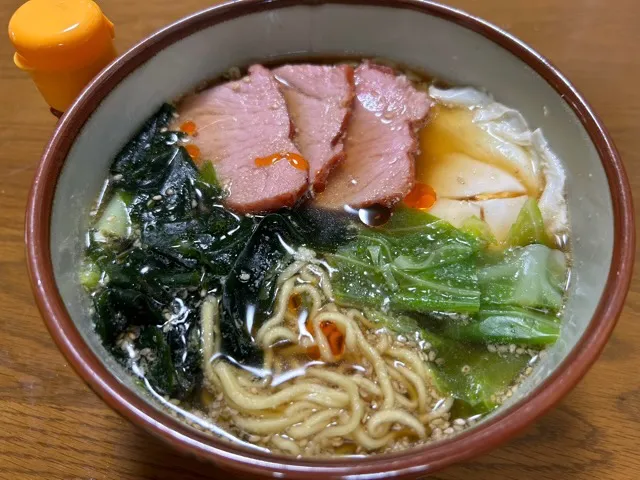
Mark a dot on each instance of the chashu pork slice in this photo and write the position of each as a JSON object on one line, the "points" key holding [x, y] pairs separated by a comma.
{"points": [[380, 143], [239, 122], [320, 100]]}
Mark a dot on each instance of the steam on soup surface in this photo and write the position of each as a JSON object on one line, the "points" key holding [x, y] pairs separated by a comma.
{"points": [[335, 259]]}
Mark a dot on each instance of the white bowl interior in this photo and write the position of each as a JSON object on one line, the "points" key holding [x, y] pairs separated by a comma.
{"points": [[440, 47]]}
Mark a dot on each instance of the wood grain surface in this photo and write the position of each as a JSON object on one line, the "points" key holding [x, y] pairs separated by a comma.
{"points": [[53, 427]]}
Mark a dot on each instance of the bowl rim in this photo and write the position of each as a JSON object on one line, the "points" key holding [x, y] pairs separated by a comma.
{"points": [[420, 461]]}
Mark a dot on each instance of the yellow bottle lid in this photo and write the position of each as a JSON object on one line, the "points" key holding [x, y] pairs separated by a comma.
{"points": [[62, 44]]}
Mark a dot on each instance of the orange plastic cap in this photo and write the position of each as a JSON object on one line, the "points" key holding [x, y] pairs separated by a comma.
{"points": [[53, 35]]}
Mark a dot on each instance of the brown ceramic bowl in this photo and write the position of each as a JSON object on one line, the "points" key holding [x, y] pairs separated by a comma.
{"points": [[446, 42]]}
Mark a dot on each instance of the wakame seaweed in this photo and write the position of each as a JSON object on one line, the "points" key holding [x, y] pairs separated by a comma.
{"points": [[183, 243], [249, 291], [141, 163]]}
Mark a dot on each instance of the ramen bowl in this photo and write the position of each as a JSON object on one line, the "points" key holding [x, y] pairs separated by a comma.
{"points": [[445, 42]]}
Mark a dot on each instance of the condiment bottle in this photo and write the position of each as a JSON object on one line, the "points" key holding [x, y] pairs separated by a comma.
{"points": [[62, 44]]}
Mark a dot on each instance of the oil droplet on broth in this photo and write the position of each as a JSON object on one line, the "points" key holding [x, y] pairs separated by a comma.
{"points": [[422, 196], [188, 127], [193, 151], [295, 160]]}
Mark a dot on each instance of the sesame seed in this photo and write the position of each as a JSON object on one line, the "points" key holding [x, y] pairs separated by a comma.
{"points": [[157, 197], [459, 421]]}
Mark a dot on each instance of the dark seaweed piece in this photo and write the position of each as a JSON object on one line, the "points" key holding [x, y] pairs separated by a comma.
{"points": [[323, 230], [157, 364], [118, 308], [214, 241], [109, 322], [142, 161], [249, 291], [168, 373], [148, 272], [177, 187], [183, 342], [137, 296]]}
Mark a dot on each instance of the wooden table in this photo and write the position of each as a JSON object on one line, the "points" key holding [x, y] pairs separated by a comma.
{"points": [[53, 427]]}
